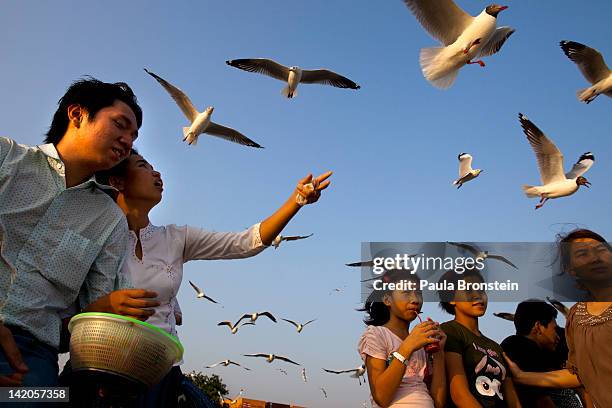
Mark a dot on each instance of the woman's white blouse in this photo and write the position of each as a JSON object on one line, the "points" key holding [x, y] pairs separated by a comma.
{"points": [[164, 251]]}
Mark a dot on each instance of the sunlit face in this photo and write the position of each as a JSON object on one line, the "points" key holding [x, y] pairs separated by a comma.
{"points": [[547, 336], [405, 304], [107, 138], [591, 261], [471, 303], [141, 182]]}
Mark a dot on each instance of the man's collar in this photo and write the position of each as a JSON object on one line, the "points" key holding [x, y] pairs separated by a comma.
{"points": [[50, 150]]}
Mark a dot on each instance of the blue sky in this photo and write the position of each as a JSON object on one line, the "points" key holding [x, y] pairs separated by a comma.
{"points": [[392, 144]]}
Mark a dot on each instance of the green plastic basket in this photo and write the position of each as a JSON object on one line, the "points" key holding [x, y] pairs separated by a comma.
{"points": [[122, 345]]}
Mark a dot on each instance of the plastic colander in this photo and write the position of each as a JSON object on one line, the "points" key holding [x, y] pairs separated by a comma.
{"points": [[123, 346]]}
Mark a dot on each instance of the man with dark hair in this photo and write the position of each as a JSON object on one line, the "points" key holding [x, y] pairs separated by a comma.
{"points": [[533, 348], [62, 239]]}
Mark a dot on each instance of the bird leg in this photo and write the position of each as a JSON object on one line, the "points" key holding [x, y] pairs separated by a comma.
{"points": [[541, 203], [475, 42], [479, 62]]}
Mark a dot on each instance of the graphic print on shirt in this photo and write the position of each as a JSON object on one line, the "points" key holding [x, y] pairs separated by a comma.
{"points": [[490, 373]]}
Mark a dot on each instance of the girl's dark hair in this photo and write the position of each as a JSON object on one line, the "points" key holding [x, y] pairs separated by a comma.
{"points": [[377, 311], [563, 242], [447, 296], [93, 95]]}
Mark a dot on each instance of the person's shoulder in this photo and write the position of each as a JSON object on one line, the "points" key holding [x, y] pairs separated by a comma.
{"points": [[451, 327], [7, 144]]}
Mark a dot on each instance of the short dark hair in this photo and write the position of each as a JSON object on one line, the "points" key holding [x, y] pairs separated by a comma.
{"points": [[119, 170], [563, 241], [531, 311], [93, 95], [378, 313], [447, 296]]}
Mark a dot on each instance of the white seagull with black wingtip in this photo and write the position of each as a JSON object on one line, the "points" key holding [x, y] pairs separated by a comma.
{"points": [[233, 327], [280, 238], [226, 363], [357, 372], [200, 121], [292, 75], [555, 183], [593, 68], [271, 357], [464, 37], [479, 253], [200, 293], [298, 326], [466, 173], [253, 316]]}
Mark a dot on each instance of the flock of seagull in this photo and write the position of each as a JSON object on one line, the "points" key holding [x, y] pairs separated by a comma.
{"points": [[465, 40]]}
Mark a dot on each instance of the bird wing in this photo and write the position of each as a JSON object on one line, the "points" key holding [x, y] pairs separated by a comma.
{"points": [[496, 41], [327, 77], [209, 299], [442, 19], [286, 359], [310, 321], [193, 285], [505, 316], [229, 134], [470, 248], [290, 321], [558, 305], [244, 316], [214, 365], [590, 61], [256, 355], [244, 324], [503, 259], [296, 237], [261, 66], [549, 157], [268, 315], [465, 165], [181, 99], [225, 323], [362, 263], [339, 371], [582, 165]]}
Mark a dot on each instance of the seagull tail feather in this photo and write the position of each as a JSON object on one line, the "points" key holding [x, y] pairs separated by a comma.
{"points": [[189, 137], [531, 191], [586, 95], [428, 58], [288, 93]]}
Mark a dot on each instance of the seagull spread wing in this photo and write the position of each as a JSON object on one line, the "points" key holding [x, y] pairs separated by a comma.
{"points": [[256, 355], [210, 299], [589, 60], [550, 159], [340, 371], [193, 285], [327, 77], [296, 237], [470, 248], [261, 66], [229, 134], [286, 359], [310, 321], [465, 164], [290, 321], [505, 316], [558, 305], [582, 165], [268, 315], [503, 259], [226, 323], [443, 19], [363, 263], [496, 41], [181, 99], [214, 365]]}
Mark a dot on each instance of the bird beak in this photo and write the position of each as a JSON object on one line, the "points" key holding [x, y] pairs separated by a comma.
{"points": [[587, 184], [502, 8]]}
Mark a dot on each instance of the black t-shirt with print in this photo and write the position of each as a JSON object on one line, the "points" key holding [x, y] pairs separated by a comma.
{"points": [[483, 362]]}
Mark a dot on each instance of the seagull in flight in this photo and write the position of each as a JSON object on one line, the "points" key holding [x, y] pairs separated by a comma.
{"points": [[279, 238], [324, 392], [357, 372], [282, 371], [555, 183], [233, 327], [200, 121], [558, 305], [593, 67], [463, 37], [505, 316], [226, 363], [298, 326], [253, 316], [478, 253], [271, 357], [304, 375], [292, 75], [200, 293], [466, 173]]}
